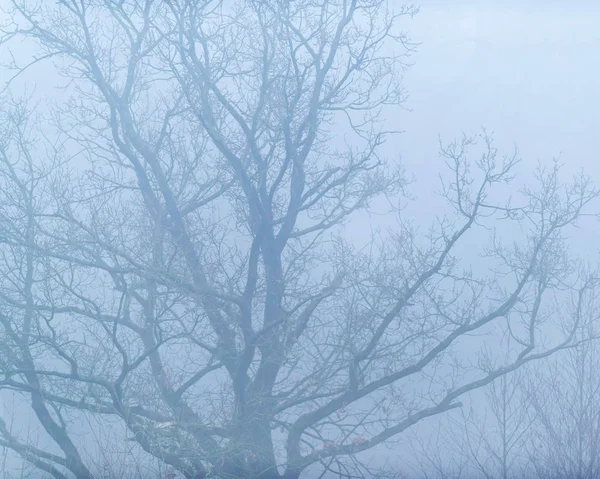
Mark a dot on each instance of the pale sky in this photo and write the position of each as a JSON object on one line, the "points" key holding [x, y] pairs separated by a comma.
{"points": [[527, 70]]}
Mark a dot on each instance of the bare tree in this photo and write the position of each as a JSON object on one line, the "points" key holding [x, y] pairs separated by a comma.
{"points": [[486, 441], [565, 440], [544, 418], [173, 253], [511, 421]]}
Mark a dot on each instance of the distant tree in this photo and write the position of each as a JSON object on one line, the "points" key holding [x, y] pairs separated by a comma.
{"points": [[565, 439], [172, 251], [542, 421], [486, 441]]}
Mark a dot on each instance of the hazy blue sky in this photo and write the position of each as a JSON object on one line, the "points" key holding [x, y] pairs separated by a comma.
{"points": [[526, 70]]}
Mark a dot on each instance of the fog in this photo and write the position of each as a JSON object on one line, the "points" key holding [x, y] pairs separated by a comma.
{"points": [[149, 294], [523, 69]]}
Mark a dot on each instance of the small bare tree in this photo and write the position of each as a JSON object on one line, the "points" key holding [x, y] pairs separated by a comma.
{"points": [[565, 440], [172, 253], [488, 440]]}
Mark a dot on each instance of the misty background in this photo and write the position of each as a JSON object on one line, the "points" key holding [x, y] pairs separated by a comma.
{"points": [[525, 70]]}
